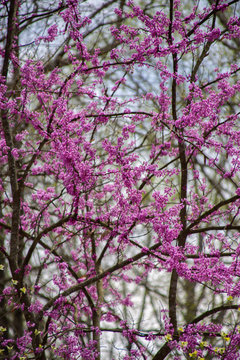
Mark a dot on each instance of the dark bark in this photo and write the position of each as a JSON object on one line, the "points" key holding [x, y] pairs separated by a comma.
{"points": [[14, 243], [162, 353]]}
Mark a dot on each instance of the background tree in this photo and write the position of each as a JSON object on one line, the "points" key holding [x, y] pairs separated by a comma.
{"points": [[119, 180]]}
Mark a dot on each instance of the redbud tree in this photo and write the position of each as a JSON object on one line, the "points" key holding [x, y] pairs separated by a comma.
{"points": [[120, 189]]}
